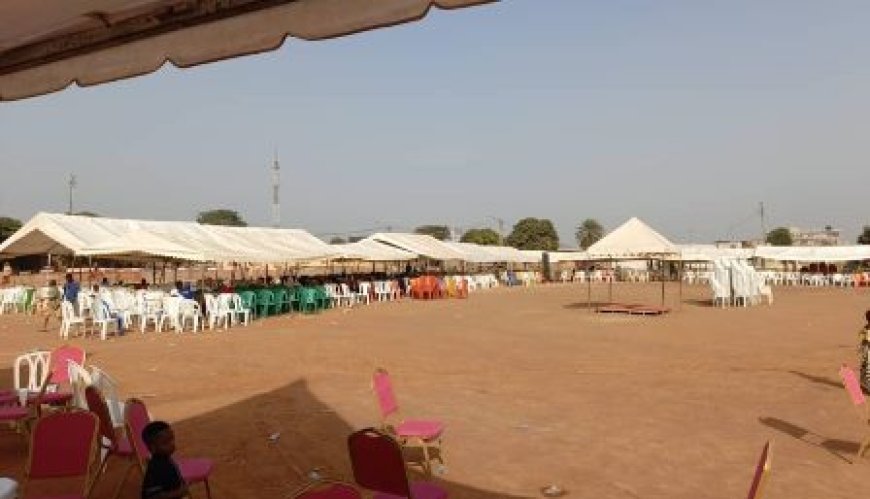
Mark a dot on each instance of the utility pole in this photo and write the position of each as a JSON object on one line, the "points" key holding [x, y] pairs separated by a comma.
{"points": [[73, 183], [276, 187], [763, 224], [500, 223]]}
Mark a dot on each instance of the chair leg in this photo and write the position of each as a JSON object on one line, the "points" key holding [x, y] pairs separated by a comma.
{"points": [[207, 489], [120, 487]]}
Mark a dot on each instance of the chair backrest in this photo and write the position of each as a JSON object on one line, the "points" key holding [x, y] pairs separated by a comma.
{"points": [[108, 388], [378, 463], [97, 404], [383, 388], [63, 445], [30, 369], [80, 379], [327, 489], [136, 418], [67, 311], [852, 385], [762, 469], [60, 356]]}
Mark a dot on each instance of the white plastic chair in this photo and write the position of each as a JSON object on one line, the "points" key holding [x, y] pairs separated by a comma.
{"points": [[104, 319], [363, 294], [345, 296], [171, 313], [30, 370], [215, 314], [79, 379], [382, 293], [69, 319], [109, 388], [189, 310]]}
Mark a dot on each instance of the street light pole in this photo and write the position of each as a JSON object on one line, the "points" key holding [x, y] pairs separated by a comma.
{"points": [[72, 185]]}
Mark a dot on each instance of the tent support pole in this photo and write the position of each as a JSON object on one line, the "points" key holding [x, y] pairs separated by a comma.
{"points": [[612, 274], [588, 290], [153, 273], [662, 273], [680, 277]]}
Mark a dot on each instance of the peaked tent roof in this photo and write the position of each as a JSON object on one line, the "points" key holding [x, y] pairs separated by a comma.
{"points": [[633, 239], [47, 45], [372, 251], [419, 244], [78, 235]]}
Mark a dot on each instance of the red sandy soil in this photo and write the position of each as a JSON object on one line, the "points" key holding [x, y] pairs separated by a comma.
{"points": [[535, 389]]}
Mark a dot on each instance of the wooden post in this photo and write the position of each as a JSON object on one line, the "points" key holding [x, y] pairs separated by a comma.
{"points": [[610, 283]]}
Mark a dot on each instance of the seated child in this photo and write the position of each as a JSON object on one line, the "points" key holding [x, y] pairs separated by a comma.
{"points": [[162, 477]]}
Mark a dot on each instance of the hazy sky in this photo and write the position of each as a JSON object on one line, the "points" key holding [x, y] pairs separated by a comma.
{"points": [[684, 113]]}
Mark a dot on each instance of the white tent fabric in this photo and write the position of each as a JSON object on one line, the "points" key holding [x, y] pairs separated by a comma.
{"points": [[370, 250], [568, 256], [814, 253], [418, 244], [78, 235], [142, 244], [710, 252], [633, 239], [47, 45]]}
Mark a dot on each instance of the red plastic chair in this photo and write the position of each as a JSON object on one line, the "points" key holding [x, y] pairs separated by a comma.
{"points": [[853, 388], [116, 445], [422, 433], [327, 489], [60, 356], [762, 469], [378, 465], [193, 470], [63, 445]]}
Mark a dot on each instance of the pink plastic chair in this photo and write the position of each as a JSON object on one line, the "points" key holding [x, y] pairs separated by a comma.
{"points": [[63, 445], [853, 388], [193, 470], [762, 469], [60, 356], [378, 465], [327, 489], [425, 434]]}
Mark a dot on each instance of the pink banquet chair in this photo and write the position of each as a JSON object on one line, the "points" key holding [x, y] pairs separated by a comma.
{"points": [[762, 469], [378, 465], [193, 470], [425, 434], [63, 446], [326, 488], [115, 443], [856, 396]]}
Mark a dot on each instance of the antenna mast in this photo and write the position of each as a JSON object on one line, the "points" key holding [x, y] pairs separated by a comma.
{"points": [[276, 187], [73, 183], [763, 223]]}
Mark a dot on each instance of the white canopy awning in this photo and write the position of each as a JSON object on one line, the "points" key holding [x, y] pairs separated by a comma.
{"points": [[419, 244], [370, 250], [78, 235], [710, 252], [568, 256], [632, 240], [46, 45], [814, 253]]}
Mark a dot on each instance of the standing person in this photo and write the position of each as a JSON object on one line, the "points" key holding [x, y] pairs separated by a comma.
{"points": [[71, 292], [52, 304]]}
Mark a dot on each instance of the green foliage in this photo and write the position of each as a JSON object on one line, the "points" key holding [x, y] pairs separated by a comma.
{"points": [[87, 214], [864, 238], [779, 236], [439, 232], [337, 240], [589, 232], [8, 226], [221, 217], [486, 237], [353, 239], [534, 234]]}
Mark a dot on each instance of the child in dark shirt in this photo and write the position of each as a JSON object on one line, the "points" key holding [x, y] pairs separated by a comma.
{"points": [[162, 477]]}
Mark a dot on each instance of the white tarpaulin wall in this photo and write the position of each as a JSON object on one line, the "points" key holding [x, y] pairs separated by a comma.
{"points": [[814, 253], [568, 256], [46, 46], [419, 244], [710, 253], [633, 239], [97, 236], [478, 253], [369, 250]]}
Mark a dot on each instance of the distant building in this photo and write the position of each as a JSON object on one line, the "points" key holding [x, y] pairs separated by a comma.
{"points": [[748, 243], [826, 237]]}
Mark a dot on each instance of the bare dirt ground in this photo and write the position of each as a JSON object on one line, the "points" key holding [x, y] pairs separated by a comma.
{"points": [[535, 390]]}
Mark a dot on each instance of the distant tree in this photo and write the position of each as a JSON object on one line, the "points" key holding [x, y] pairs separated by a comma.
{"points": [[354, 239], [87, 214], [337, 240], [439, 232], [534, 234], [221, 217], [486, 237], [864, 238], [779, 236], [589, 232], [8, 226]]}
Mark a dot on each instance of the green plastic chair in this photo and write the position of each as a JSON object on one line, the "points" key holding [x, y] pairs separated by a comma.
{"points": [[308, 300], [265, 299], [293, 297], [249, 300], [279, 298], [323, 299], [27, 300]]}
